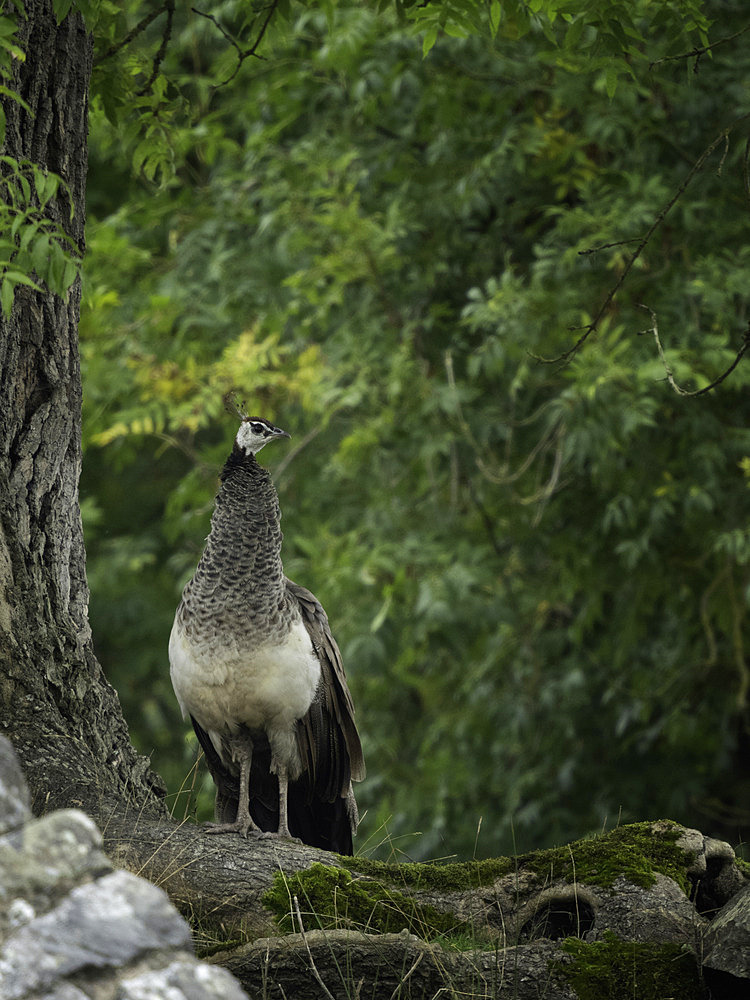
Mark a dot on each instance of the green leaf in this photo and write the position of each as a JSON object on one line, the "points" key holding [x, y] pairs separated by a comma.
{"points": [[40, 256], [496, 13], [454, 30], [25, 188], [13, 96], [46, 185], [574, 33], [429, 39], [19, 218], [7, 289], [19, 278], [61, 8], [57, 266], [70, 273], [30, 229], [8, 27]]}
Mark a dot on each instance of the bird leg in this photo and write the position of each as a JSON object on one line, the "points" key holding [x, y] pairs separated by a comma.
{"points": [[242, 751], [283, 830]]}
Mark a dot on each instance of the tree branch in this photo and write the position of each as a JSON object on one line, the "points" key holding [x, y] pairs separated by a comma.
{"points": [[643, 243], [166, 35], [700, 51], [670, 377], [133, 33], [242, 54]]}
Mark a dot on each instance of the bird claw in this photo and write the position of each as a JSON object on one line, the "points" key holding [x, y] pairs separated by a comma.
{"points": [[242, 828], [246, 830], [278, 835]]}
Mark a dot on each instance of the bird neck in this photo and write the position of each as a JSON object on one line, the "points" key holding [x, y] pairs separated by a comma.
{"points": [[242, 558]]}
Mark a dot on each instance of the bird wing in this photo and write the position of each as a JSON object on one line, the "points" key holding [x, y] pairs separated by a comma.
{"points": [[327, 736], [227, 788]]}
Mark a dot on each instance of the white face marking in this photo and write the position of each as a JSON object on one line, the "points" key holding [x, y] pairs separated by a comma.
{"points": [[253, 434]]}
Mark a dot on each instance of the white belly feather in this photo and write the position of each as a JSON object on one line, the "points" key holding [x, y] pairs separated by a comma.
{"points": [[223, 686]]}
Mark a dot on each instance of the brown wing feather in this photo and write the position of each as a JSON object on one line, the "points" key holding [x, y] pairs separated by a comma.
{"points": [[328, 739]]}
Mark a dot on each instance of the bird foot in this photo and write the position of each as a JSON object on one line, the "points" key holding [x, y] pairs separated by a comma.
{"points": [[240, 826], [249, 829], [278, 835]]}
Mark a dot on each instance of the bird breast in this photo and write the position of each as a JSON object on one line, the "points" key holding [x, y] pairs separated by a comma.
{"points": [[224, 684]]}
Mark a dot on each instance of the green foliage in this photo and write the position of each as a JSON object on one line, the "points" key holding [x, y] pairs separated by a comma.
{"points": [[10, 51], [33, 247], [608, 37], [538, 573]]}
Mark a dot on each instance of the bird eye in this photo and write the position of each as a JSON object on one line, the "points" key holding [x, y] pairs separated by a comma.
{"points": [[258, 428]]}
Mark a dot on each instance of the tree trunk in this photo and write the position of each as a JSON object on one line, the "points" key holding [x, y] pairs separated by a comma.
{"points": [[57, 708]]}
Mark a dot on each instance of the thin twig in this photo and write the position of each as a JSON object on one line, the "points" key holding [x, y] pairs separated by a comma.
{"points": [[607, 246], [242, 54], [702, 50], [313, 966], [131, 35], [594, 324], [401, 982], [670, 377], [501, 548], [214, 20], [166, 35], [281, 468]]}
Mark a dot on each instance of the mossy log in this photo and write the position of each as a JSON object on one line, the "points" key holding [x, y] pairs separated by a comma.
{"points": [[279, 914]]}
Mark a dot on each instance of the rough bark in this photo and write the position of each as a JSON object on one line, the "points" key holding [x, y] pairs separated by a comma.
{"points": [[216, 881], [346, 964], [62, 716]]}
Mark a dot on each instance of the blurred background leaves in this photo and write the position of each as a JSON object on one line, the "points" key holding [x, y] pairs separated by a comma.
{"points": [[538, 573]]}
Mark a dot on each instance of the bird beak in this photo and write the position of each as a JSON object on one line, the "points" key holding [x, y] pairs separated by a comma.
{"points": [[277, 432]]}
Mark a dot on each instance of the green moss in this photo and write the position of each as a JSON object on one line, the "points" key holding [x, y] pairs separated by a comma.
{"points": [[376, 896], [439, 876], [612, 969], [333, 897], [637, 851]]}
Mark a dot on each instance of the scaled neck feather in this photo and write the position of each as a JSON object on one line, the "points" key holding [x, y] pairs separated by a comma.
{"points": [[241, 566]]}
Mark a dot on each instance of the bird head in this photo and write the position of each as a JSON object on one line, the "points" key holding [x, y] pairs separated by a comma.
{"points": [[254, 432]]}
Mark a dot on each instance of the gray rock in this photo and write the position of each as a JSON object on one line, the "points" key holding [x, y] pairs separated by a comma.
{"points": [[726, 943], [43, 861], [108, 923], [72, 928], [660, 914], [64, 991], [182, 981], [713, 870]]}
